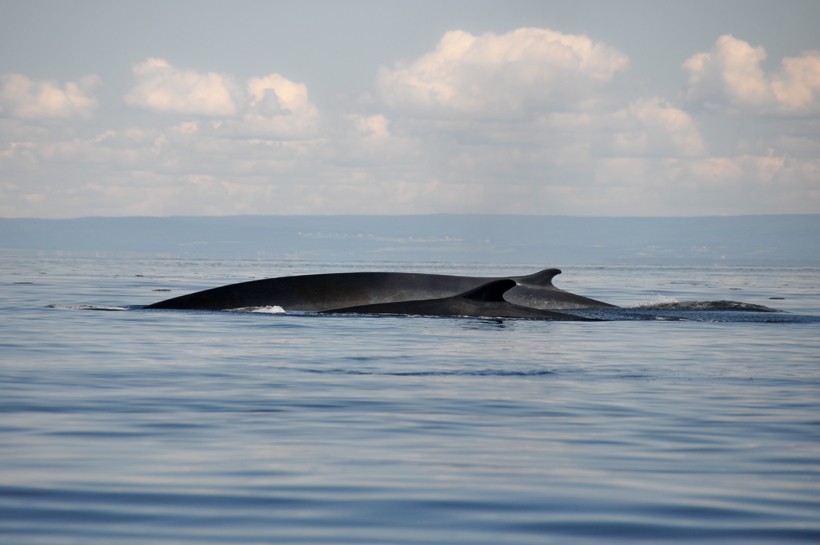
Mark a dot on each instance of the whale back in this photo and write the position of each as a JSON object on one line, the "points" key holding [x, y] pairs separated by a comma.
{"points": [[319, 292]]}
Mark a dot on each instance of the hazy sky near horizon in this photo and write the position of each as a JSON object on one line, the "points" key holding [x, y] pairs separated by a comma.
{"points": [[647, 108]]}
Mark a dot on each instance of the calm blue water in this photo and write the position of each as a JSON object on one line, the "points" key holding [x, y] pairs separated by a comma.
{"points": [[196, 427]]}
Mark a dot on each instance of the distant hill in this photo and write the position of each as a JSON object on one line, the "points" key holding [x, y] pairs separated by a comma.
{"points": [[551, 240]]}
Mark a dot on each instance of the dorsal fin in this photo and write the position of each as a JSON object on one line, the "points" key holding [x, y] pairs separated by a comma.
{"points": [[491, 291], [541, 278]]}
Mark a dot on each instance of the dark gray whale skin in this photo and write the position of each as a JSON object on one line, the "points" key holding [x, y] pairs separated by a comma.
{"points": [[485, 301], [320, 292]]}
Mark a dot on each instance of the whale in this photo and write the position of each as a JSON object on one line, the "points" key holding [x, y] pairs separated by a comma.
{"points": [[330, 291], [485, 301]]}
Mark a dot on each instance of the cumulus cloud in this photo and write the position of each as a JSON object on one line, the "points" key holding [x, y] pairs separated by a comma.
{"points": [[653, 127], [797, 85], [275, 94], [491, 74], [731, 74], [24, 98], [373, 127], [160, 87], [267, 106], [532, 121], [279, 106]]}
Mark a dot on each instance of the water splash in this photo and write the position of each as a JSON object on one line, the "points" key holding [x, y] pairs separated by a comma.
{"points": [[270, 309], [658, 300]]}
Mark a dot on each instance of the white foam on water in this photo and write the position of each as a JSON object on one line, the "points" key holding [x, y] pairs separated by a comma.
{"points": [[658, 300], [272, 309], [86, 307]]}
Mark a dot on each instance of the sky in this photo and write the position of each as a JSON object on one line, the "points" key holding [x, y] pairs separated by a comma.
{"points": [[583, 107]]}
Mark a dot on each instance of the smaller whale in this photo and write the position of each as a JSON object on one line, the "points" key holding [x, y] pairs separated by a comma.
{"points": [[485, 301]]}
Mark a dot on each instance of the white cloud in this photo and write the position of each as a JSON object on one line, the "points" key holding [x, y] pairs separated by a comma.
{"points": [[744, 184], [279, 107], [274, 94], [508, 74], [797, 86], [25, 98], [162, 88], [652, 127], [731, 74], [374, 127], [532, 121], [263, 107]]}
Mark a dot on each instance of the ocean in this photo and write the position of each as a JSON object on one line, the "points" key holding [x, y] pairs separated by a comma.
{"points": [[168, 427]]}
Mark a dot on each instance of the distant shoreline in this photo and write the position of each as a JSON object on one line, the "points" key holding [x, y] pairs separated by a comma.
{"points": [[776, 240]]}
